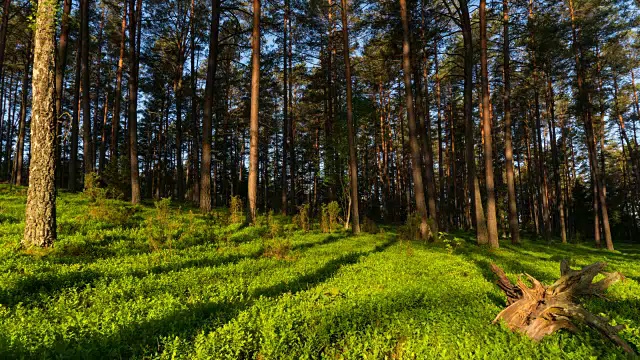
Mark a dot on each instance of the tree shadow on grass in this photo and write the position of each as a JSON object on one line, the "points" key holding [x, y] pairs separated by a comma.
{"points": [[141, 339], [33, 289], [327, 240]]}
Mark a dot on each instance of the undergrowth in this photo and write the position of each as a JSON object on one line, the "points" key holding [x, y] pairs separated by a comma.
{"points": [[214, 288]]}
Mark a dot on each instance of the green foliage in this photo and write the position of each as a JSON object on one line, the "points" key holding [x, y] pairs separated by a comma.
{"points": [[92, 189], [230, 291], [236, 214], [329, 216], [410, 231], [302, 219]]}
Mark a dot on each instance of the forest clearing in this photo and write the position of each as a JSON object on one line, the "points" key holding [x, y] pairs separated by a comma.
{"points": [[336, 179], [130, 282]]}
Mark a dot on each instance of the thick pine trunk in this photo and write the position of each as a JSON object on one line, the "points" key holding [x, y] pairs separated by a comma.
{"points": [[40, 217]]}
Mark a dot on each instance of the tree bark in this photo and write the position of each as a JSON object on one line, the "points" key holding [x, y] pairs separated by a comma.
{"points": [[40, 217], [285, 105], [61, 65], [416, 156], [472, 177], [492, 224], [17, 168], [135, 10], [351, 136], [87, 141], [73, 161], [205, 170], [252, 190], [508, 147], [115, 121]]}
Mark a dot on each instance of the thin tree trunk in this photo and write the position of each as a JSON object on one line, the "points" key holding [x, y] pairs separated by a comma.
{"points": [[23, 117], [87, 141], [416, 157], [135, 10], [40, 217], [205, 170], [472, 177], [73, 161], [508, 147], [492, 224], [285, 105], [252, 190], [351, 136], [61, 65], [3, 32], [115, 121]]}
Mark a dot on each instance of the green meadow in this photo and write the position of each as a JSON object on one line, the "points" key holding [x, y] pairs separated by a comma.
{"points": [[164, 281]]}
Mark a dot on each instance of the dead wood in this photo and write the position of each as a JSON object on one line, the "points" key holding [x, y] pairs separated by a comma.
{"points": [[540, 310]]}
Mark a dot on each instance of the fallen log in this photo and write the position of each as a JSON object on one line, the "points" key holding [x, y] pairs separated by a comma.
{"points": [[541, 310]]}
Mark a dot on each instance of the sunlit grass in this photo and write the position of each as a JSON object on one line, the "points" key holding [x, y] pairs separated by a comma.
{"points": [[208, 289]]}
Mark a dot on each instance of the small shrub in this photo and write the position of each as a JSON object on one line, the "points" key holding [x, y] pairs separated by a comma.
{"points": [[236, 214], [161, 227], [324, 219], [92, 188], [333, 210], [273, 225], [451, 243], [302, 219], [278, 248]]}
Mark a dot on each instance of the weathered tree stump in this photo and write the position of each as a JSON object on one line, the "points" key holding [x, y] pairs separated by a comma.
{"points": [[540, 310]]}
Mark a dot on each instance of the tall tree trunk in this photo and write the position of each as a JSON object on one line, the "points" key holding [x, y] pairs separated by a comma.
{"points": [[61, 65], [115, 121], [135, 10], [252, 190], [23, 116], [508, 147], [205, 170], [3, 32], [97, 127], [556, 164], [40, 217], [87, 140], [285, 108], [492, 224], [73, 161], [472, 177], [416, 156], [585, 114], [351, 136]]}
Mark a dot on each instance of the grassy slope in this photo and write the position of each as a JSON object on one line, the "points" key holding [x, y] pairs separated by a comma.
{"points": [[103, 293]]}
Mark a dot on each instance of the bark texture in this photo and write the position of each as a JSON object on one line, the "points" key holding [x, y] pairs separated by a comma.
{"points": [[40, 217]]}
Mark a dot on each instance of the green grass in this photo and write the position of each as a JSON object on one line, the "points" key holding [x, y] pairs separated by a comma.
{"points": [[201, 288]]}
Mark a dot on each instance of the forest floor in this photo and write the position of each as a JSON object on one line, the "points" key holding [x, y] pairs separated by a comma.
{"points": [[163, 282]]}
